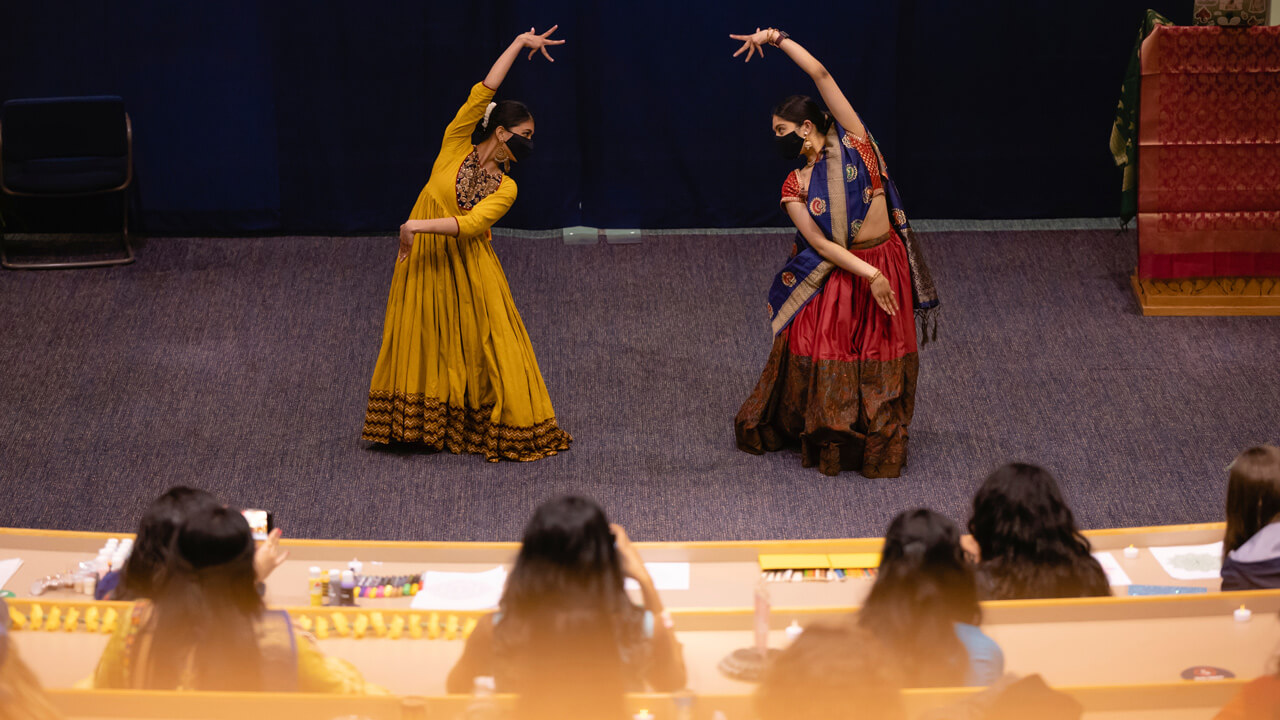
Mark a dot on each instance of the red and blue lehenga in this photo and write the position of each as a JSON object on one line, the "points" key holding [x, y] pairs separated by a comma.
{"points": [[840, 381]]}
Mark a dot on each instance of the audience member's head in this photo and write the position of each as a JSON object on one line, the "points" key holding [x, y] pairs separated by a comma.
{"points": [[156, 531], [566, 627], [1253, 494], [1028, 538], [21, 697], [206, 603], [833, 671], [923, 587]]}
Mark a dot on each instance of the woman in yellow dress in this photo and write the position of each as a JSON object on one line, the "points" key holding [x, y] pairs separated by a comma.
{"points": [[456, 370]]}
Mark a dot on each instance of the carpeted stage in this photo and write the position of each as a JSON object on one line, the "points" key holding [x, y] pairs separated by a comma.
{"points": [[242, 365]]}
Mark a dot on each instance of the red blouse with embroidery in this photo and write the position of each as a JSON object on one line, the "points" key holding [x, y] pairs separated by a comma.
{"points": [[793, 192]]}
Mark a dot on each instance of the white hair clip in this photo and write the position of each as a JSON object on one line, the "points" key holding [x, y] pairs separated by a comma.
{"points": [[488, 111]]}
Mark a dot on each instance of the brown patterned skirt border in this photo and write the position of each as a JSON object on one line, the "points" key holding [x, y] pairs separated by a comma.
{"points": [[415, 418]]}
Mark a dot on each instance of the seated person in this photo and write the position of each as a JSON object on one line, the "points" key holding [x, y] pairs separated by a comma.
{"points": [[151, 543], [566, 637], [154, 538], [21, 697], [1027, 542], [205, 627], [924, 608], [1251, 545], [833, 671]]}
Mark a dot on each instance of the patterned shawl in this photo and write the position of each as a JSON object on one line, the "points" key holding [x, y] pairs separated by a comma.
{"points": [[839, 197]]}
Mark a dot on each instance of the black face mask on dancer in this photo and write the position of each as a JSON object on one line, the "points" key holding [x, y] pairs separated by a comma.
{"points": [[520, 147], [789, 145]]}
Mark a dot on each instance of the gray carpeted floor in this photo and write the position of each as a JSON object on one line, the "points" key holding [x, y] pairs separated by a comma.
{"points": [[242, 365]]}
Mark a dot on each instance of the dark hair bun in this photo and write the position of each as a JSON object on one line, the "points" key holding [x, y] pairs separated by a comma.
{"points": [[799, 108], [506, 113]]}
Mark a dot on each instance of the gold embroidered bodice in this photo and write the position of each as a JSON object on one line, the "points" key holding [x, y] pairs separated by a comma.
{"points": [[474, 182]]}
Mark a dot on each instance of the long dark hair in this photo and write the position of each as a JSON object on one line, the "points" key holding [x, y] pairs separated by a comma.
{"points": [[924, 586], [798, 108], [156, 532], [817, 674], [1253, 494], [206, 607], [566, 621], [507, 113], [1030, 545]]}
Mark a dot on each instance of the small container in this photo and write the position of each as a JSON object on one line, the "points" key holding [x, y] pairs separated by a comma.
{"points": [[346, 597], [335, 588], [313, 586], [90, 585], [794, 631], [1242, 614], [1130, 552], [356, 566]]}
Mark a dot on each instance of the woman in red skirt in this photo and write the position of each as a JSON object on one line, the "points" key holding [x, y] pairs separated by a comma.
{"points": [[840, 381]]}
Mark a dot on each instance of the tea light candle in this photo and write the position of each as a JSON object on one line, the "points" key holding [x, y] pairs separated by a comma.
{"points": [[1243, 614], [1131, 552], [794, 631]]}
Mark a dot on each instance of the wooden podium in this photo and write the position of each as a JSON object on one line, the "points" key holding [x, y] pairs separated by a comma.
{"points": [[1209, 172]]}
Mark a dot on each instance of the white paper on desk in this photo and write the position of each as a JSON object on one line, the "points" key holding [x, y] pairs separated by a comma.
{"points": [[1190, 562], [7, 569], [666, 576], [1116, 576], [461, 590]]}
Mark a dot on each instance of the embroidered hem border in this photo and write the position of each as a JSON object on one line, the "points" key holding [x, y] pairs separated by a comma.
{"points": [[839, 415], [415, 418]]}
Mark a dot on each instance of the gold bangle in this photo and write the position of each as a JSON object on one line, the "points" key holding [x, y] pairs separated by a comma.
{"points": [[873, 277]]}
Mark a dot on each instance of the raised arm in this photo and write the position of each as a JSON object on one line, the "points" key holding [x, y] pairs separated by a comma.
{"points": [[458, 134], [530, 40], [837, 103]]}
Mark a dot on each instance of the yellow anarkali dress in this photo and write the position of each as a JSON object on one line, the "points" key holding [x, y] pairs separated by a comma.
{"points": [[456, 370]]}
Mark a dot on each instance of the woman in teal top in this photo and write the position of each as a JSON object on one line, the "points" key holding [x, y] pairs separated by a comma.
{"points": [[924, 606]]}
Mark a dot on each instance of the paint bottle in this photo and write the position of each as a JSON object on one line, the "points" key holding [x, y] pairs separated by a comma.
{"points": [[346, 597], [335, 588], [313, 585], [324, 589]]}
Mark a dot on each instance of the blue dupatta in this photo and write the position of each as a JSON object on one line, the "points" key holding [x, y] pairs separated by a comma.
{"points": [[839, 198]]}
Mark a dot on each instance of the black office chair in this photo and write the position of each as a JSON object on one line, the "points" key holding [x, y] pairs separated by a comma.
{"points": [[67, 147]]}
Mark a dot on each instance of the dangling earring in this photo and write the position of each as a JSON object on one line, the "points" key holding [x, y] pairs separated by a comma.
{"points": [[501, 154]]}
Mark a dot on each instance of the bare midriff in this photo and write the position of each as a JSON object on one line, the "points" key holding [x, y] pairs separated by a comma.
{"points": [[877, 221]]}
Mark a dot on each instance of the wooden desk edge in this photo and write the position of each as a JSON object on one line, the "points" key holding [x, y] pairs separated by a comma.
{"points": [[871, 543]]}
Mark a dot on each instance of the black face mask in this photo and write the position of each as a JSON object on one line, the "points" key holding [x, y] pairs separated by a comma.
{"points": [[520, 147], [789, 145]]}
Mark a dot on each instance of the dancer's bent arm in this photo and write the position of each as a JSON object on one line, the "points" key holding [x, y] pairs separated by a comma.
{"points": [[837, 103], [480, 218], [459, 130], [842, 258]]}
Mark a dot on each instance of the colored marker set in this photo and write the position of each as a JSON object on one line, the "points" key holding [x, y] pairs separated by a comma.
{"points": [[341, 588], [818, 567], [816, 574], [387, 586]]}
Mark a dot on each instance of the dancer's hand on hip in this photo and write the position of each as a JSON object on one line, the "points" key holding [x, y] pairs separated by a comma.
{"points": [[884, 295], [406, 242], [753, 43], [536, 42]]}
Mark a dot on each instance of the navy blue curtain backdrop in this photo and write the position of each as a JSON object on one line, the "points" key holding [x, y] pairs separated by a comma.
{"points": [[285, 116]]}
